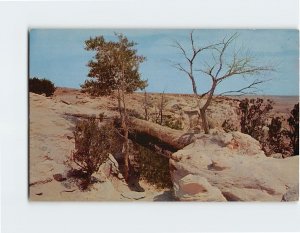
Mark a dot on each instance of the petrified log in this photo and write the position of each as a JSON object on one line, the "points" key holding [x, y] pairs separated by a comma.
{"points": [[175, 139], [151, 134]]}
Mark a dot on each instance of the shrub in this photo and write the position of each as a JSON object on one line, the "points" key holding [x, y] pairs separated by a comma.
{"points": [[276, 140], [253, 116], [173, 123], [93, 143], [41, 86], [153, 168], [134, 113], [293, 133]]}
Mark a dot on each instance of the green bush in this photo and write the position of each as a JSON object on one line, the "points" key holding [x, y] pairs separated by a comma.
{"points": [[41, 86], [153, 168], [93, 143]]}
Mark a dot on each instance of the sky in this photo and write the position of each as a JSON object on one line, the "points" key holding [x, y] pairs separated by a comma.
{"points": [[59, 55]]}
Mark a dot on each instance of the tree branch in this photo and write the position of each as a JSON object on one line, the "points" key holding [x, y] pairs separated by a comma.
{"points": [[243, 91]]}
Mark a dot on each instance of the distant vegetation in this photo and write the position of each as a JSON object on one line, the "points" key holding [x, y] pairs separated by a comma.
{"points": [[41, 86]]}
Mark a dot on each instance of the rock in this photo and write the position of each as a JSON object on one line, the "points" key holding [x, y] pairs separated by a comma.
{"points": [[292, 194], [176, 107], [196, 188], [134, 195], [100, 176], [38, 182], [110, 167], [59, 177], [65, 102], [105, 190], [277, 156], [234, 163]]}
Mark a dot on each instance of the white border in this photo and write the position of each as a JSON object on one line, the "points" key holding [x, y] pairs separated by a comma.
{"points": [[19, 215]]}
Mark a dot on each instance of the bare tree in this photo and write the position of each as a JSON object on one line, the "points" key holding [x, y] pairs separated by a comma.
{"points": [[146, 104], [161, 107], [219, 71]]}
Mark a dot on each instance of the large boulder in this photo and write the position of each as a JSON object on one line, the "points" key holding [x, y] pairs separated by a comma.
{"points": [[110, 168], [235, 164], [196, 188]]}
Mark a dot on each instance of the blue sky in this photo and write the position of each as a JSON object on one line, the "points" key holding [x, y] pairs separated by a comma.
{"points": [[59, 55]]}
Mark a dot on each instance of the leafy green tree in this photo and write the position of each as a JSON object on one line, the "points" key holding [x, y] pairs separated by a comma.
{"points": [[114, 70]]}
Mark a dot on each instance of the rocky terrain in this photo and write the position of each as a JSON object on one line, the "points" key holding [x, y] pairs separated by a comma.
{"points": [[217, 167], [231, 166]]}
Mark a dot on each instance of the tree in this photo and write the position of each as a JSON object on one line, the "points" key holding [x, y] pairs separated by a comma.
{"points": [[115, 70], [146, 105], [293, 133], [254, 114], [276, 141], [218, 71], [161, 107]]}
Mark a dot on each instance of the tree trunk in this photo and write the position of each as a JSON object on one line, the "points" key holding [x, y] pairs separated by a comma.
{"points": [[124, 118], [176, 139], [125, 151], [203, 109], [146, 106], [161, 109], [204, 121]]}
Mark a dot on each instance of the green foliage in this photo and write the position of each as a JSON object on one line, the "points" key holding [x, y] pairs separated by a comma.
{"points": [[293, 133], [153, 168], [41, 86], [93, 143], [114, 67]]}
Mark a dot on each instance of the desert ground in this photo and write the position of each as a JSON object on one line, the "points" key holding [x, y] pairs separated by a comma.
{"points": [[216, 167]]}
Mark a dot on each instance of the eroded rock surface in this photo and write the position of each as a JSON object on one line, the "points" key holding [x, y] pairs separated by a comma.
{"points": [[234, 164]]}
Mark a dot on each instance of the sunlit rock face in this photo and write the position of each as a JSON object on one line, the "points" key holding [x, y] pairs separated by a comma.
{"points": [[233, 164]]}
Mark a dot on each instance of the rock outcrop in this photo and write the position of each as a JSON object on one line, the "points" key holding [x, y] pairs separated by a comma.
{"points": [[234, 164], [194, 187]]}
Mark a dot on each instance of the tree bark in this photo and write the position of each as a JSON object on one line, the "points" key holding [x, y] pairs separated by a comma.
{"points": [[204, 121], [125, 151], [176, 139], [124, 120], [203, 109]]}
